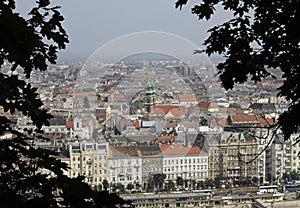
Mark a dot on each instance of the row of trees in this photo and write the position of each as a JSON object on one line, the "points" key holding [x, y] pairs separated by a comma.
{"points": [[287, 177], [158, 182]]}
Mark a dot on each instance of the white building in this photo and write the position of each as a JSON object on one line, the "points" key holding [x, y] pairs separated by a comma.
{"points": [[79, 129], [291, 155], [186, 162], [125, 165]]}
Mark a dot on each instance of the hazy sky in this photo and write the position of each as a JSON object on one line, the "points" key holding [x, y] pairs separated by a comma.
{"points": [[92, 23]]}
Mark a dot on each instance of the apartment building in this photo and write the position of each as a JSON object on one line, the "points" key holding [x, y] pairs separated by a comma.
{"points": [[229, 154], [190, 163], [125, 164], [275, 159], [152, 161], [291, 153], [89, 160]]}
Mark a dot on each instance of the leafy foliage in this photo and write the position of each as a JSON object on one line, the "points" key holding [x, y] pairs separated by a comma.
{"points": [[261, 36], [30, 176], [179, 181], [105, 184], [156, 180], [170, 185], [234, 105]]}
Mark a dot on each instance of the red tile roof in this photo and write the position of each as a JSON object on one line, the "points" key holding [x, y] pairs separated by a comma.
{"points": [[70, 124], [187, 98], [180, 150], [205, 104], [266, 121], [134, 123], [123, 151], [244, 118], [164, 109]]}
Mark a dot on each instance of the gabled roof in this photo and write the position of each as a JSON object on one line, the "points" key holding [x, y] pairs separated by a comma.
{"points": [[176, 113], [167, 138], [70, 124], [243, 119], [133, 123], [180, 150], [205, 104], [267, 121], [187, 98], [164, 109], [150, 150], [122, 151]]}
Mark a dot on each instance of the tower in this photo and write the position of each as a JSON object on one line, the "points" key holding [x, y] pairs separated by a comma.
{"points": [[150, 95]]}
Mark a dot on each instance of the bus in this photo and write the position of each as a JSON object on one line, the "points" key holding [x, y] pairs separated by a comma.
{"points": [[272, 189], [207, 191], [291, 187]]}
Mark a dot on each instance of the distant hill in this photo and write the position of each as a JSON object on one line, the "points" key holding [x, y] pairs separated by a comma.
{"points": [[149, 56]]}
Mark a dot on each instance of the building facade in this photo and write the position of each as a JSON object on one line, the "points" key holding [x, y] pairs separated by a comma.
{"points": [[89, 160], [190, 163]]}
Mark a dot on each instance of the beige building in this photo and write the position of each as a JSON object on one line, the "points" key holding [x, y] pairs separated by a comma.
{"points": [[229, 153], [89, 160]]}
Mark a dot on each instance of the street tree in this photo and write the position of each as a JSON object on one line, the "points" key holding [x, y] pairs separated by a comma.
{"points": [[130, 186], [179, 181], [260, 39], [120, 187], [200, 184], [159, 180], [170, 185], [105, 184], [31, 176]]}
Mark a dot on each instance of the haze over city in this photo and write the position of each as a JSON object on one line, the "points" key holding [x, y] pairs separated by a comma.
{"points": [[145, 108], [91, 24]]}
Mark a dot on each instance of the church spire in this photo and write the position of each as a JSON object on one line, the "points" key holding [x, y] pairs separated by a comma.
{"points": [[150, 95]]}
